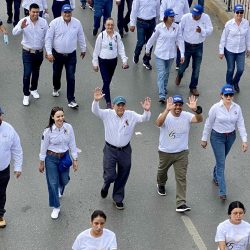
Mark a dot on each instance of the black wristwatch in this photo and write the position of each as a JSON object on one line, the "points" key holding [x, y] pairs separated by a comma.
{"points": [[198, 110], [1, 23]]}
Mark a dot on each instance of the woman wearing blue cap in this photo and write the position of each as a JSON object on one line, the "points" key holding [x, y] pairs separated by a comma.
{"points": [[235, 45], [223, 117], [167, 36]]}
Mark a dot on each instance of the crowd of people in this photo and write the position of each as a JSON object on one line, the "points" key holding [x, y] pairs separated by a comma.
{"points": [[178, 34]]}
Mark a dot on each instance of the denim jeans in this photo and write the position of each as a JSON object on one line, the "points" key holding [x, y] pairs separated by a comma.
{"points": [[55, 179], [221, 144], [17, 4], [31, 69], [144, 32], [121, 20], [69, 61], [232, 59], [57, 7], [102, 8], [196, 53], [4, 180], [163, 68], [107, 69]]}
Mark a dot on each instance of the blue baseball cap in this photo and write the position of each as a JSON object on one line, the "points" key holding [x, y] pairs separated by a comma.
{"points": [[119, 99], [169, 12], [227, 89], [177, 99], [66, 7], [197, 10], [238, 7], [1, 111]]}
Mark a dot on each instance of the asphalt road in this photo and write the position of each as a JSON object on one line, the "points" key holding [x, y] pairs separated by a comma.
{"points": [[149, 222]]}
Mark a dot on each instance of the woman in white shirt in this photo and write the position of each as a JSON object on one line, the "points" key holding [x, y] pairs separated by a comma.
{"points": [[97, 237], [234, 233], [167, 36], [235, 45], [107, 47], [223, 118], [58, 138]]}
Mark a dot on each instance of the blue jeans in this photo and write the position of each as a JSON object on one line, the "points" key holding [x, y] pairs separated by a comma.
{"points": [[163, 68], [144, 32], [31, 68], [102, 8], [69, 61], [194, 51], [232, 59], [221, 144], [55, 180]]}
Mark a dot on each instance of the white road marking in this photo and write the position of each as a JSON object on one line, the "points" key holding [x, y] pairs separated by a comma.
{"points": [[193, 232]]}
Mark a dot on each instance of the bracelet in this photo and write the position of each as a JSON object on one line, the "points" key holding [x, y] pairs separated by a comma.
{"points": [[198, 111]]}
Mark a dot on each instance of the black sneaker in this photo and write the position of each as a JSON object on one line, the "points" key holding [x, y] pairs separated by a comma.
{"points": [[147, 65], [104, 193], [162, 100], [161, 190], [121, 33], [136, 59], [126, 27], [236, 88], [9, 20], [183, 208], [119, 205], [95, 32]]}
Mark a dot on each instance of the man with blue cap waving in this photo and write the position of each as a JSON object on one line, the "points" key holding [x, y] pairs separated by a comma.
{"points": [[174, 124], [119, 124]]}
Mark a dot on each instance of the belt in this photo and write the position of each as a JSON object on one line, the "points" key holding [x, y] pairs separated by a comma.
{"points": [[63, 54], [193, 45], [226, 134], [33, 51], [58, 155], [117, 148], [145, 21]]}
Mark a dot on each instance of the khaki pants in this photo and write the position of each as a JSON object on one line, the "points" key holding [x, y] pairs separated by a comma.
{"points": [[180, 163]]}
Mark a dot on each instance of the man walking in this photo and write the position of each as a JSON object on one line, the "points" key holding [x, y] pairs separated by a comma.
{"points": [[61, 44], [119, 125], [34, 30], [174, 126], [10, 149], [17, 4], [195, 27], [144, 15]]}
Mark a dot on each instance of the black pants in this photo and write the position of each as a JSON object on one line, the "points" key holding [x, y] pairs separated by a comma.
{"points": [[107, 69], [57, 7], [17, 4], [69, 61], [121, 158], [123, 21], [4, 180]]}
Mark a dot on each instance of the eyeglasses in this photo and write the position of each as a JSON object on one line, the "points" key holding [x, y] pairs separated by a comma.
{"points": [[239, 12], [110, 46], [231, 95]]}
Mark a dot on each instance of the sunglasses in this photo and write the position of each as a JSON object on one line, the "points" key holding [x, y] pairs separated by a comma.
{"points": [[239, 12], [110, 46], [226, 95]]}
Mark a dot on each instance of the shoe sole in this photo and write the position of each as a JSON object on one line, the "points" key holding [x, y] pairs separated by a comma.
{"points": [[147, 67], [182, 210], [75, 107]]}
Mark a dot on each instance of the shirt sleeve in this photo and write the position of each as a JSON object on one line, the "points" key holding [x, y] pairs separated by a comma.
{"points": [[134, 11], [113, 245], [76, 245], [223, 39], [72, 143], [101, 113], [162, 9], [44, 145], [186, 7], [241, 126], [45, 5], [180, 42], [152, 40], [81, 38], [72, 4], [157, 18], [49, 38], [97, 50], [121, 49], [248, 39], [208, 28], [209, 123], [17, 152], [17, 29], [142, 118], [220, 234]]}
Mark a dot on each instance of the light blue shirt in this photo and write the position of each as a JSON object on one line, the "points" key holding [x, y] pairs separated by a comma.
{"points": [[10, 147]]}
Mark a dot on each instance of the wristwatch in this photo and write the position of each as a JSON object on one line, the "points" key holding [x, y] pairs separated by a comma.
{"points": [[198, 110]]}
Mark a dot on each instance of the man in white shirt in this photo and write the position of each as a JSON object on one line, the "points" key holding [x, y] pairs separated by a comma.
{"points": [[61, 44], [34, 30], [195, 27], [144, 14], [174, 126], [10, 149], [119, 125]]}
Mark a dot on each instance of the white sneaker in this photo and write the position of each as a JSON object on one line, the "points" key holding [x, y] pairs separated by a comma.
{"points": [[56, 93], [26, 100], [73, 104], [35, 94], [55, 213]]}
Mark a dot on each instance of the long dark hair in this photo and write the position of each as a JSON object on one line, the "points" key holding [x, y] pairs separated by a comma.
{"points": [[52, 113]]}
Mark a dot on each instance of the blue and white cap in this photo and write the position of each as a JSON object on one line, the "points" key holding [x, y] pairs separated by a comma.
{"points": [[177, 99]]}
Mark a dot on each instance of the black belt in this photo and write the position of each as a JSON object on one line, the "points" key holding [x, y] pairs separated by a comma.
{"points": [[145, 21], [117, 148], [193, 45], [57, 155], [32, 51], [63, 54]]}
